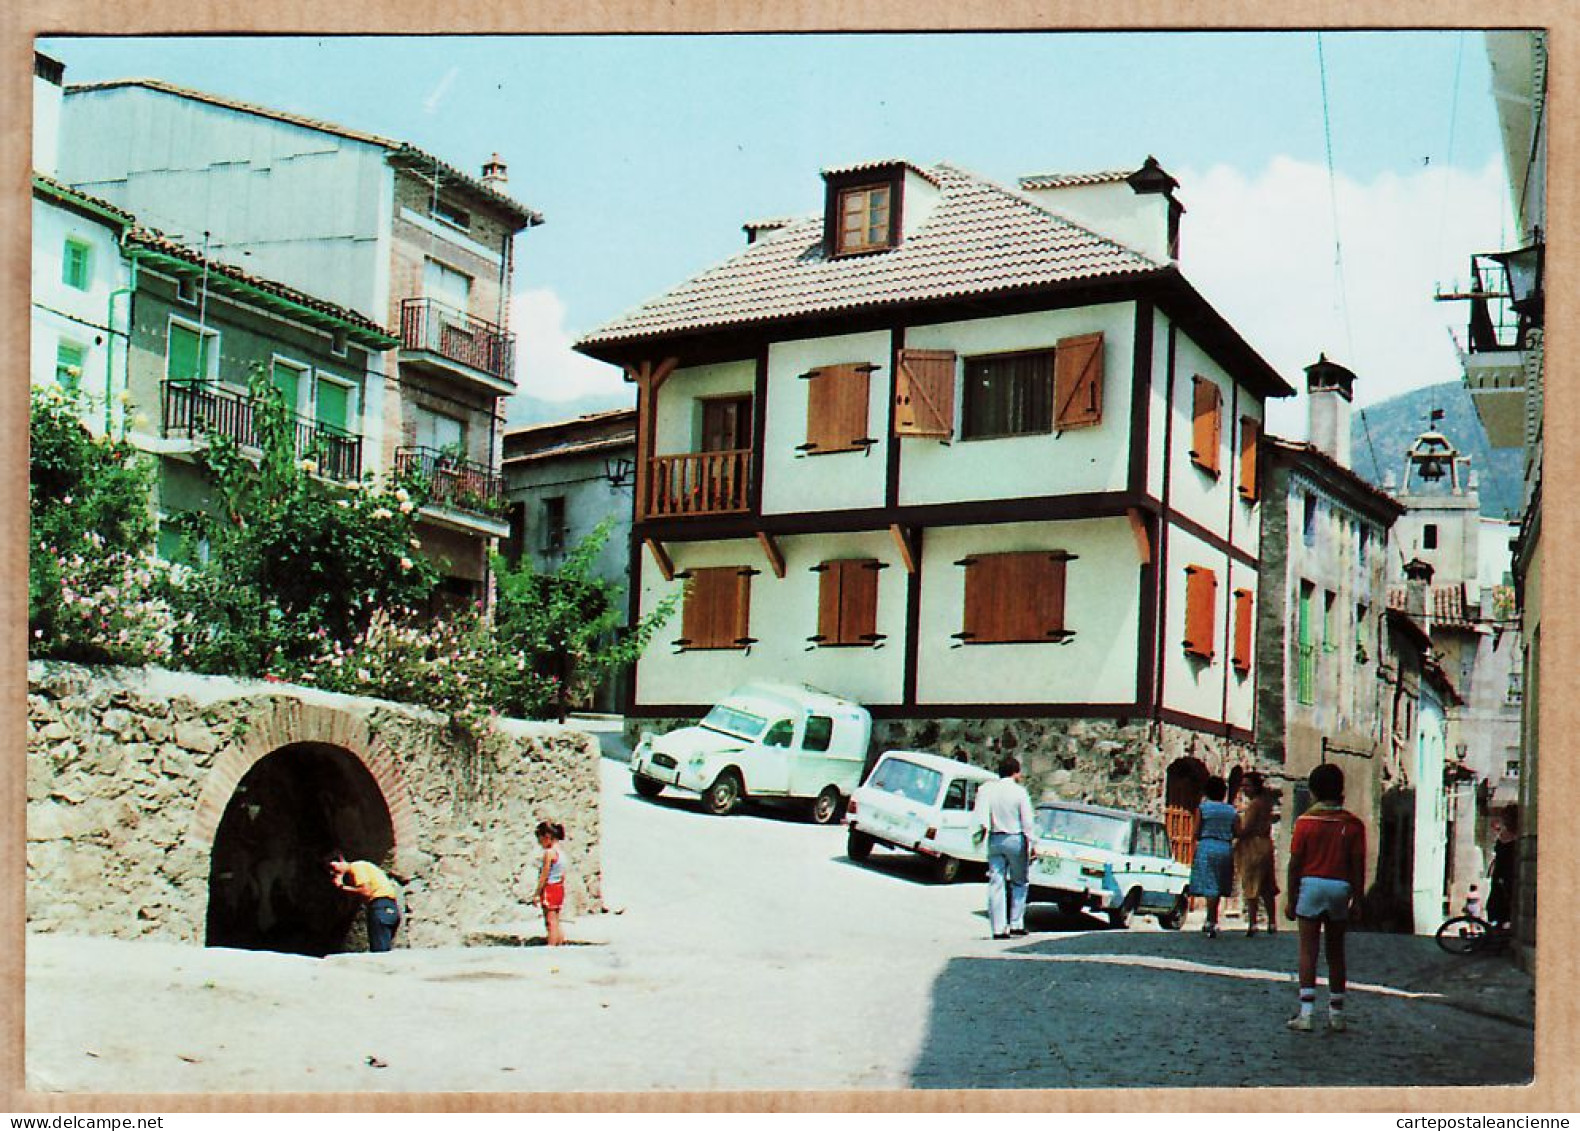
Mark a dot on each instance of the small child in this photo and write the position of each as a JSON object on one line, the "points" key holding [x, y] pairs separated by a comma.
{"points": [[550, 893], [1473, 903], [1327, 876]]}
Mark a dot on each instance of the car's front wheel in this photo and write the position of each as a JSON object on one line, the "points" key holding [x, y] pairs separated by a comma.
{"points": [[724, 794], [1119, 917], [646, 787], [825, 807], [858, 845], [1174, 918]]}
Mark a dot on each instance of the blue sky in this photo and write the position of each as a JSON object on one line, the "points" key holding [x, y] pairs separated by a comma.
{"points": [[646, 153]]}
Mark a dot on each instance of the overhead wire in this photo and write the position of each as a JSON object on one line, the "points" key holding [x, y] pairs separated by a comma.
{"points": [[1341, 296]]}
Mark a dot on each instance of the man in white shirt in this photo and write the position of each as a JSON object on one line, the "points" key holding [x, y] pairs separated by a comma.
{"points": [[1004, 813]]}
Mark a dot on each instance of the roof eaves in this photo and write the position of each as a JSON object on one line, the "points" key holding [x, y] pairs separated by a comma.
{"points": [[49, 186], [308, 308], [409, 156], [1073, 180], [873, 166]]}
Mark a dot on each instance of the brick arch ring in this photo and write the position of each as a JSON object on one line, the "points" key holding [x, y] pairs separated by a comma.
{"points": [[276, 722]]}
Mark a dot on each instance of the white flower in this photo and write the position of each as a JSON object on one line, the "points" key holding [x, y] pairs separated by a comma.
{"points": [[66, 501], [406, 508], [342, 504], [405, 563], [400, 493], [382, 512], [363, 675], [414, 543], [309, 465]]}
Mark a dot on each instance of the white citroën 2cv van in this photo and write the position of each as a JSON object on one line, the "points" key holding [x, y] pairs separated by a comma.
{"points": [[763, 741]]}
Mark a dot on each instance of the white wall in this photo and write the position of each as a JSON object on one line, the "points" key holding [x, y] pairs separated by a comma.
{"points": [[62, 313], [795, 481], [46, 125], [305, 203], [920, 201], [1079, 460], [1192, 491], [679, 413], [783, 614], [1189, 684], [1102, 608]]}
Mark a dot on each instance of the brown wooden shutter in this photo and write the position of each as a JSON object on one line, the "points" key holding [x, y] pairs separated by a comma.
{"points": [[858, 614], [828, 584], [1242, 630], [924, 395], [741, 634], [1078, 382], [1250, 438], [716, 610], [836, 416], [1014, 597], [1201, 599], [1206, 417]]}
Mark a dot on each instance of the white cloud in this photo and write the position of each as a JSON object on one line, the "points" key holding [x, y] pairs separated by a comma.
{"points": [[1261, 250], [546, 366]]}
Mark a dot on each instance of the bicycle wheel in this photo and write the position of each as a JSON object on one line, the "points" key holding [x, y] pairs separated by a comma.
{"points": [[1463, 934]]}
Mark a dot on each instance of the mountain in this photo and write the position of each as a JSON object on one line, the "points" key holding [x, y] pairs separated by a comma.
{"points": [[523, 408], [1381, 434]]}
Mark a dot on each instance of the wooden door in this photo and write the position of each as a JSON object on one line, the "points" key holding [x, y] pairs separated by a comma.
{"points": [[726, 424]]}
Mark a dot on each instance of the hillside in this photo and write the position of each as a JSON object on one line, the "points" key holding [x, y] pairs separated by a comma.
{"points": [[1383, 432]]}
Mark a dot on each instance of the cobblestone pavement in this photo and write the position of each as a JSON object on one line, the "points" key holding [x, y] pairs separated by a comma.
{"points": [[1113, 1009], [749, 953]]}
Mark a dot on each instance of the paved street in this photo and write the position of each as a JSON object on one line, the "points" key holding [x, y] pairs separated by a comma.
{"points": [[748, 954]]}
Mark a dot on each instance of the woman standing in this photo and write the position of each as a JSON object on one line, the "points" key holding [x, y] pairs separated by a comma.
{"points": [[1212, 871], [1253, 854]]}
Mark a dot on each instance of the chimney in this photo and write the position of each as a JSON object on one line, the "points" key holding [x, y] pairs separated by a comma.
{"points": [[494, 174], [1137, 209], [49, 77], [1418, 581], [1329, 390]]}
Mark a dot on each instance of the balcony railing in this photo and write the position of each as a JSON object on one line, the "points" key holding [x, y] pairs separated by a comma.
{"points": [[454, 483], [432, 326], [195, 409], [698, 483]]}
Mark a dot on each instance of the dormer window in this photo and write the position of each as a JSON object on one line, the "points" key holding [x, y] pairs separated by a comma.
{"points": [[863, 219]]}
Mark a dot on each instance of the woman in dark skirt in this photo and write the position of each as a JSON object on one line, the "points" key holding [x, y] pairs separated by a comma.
{"points": [[1212, 871]]}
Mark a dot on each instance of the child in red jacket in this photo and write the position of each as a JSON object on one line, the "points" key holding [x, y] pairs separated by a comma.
{"points": [[1327, 876]]}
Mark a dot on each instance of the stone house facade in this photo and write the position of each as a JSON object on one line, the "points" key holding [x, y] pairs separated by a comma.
{"points": [[979, 458]]}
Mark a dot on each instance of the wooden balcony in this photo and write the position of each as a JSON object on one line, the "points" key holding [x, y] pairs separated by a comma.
{"points": [[195, 409], [698, 483]]}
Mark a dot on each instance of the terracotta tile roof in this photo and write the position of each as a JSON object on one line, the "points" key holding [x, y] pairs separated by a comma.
{"points": [[1446, 604], [1071, 180], [158, 242], [864, 166], [63, 191], [981, 239], [397, 149]]}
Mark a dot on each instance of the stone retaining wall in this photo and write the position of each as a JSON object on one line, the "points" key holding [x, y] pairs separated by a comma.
{"points": [[1102, 761], [130, 771]]}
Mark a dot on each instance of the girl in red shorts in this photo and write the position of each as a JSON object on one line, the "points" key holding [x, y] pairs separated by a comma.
{"points": [[550, 894]]}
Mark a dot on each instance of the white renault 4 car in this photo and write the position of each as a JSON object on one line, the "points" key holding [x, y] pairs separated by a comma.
{"points": [[764, 741], [921, 803], [1109, 860]]}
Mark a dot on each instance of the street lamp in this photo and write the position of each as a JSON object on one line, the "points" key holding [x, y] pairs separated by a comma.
{"points": [[1523, 269]]}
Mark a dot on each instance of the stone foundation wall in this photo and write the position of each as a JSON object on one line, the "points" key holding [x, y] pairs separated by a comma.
{"points": [[1102, 761], [130, 771]]}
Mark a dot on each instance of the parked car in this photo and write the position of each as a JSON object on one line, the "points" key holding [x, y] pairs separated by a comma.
{"points": [[1110, 860], [921, 803], [766, 741]]}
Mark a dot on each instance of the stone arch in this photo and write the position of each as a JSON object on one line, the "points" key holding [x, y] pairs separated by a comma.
{"points": [[276, 722], [268, 887]]}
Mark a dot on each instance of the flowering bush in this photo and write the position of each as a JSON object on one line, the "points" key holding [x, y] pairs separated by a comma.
{"points": [[92, 592]]}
